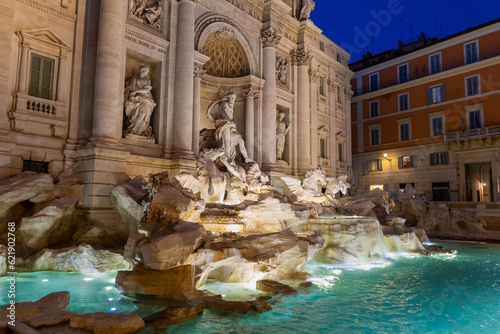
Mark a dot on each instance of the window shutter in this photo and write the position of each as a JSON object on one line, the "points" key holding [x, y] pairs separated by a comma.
{"points": [[446, 158], [412, 161], [433, 159], [379, 164], [400, 162], [429, 96], [443, 97]]}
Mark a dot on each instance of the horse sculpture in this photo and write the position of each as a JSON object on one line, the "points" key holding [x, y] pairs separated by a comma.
{"points": [[308, 190]]}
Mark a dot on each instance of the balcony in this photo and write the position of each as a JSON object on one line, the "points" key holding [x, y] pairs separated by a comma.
{"points": [[39, 116], [472, 133]]}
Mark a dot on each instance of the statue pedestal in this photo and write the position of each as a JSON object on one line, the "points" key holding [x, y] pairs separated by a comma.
{"points": [[131, 136], [282, 166]]}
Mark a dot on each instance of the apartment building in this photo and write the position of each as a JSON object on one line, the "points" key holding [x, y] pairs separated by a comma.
{"points": [[428, 114]]}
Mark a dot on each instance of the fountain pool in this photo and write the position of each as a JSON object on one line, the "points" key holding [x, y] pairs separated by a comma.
{"points": [[410, 294]]}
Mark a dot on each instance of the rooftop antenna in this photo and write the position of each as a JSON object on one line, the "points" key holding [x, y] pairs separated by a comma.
{"points": [[439, 29], [411, 32], [401, 27]]}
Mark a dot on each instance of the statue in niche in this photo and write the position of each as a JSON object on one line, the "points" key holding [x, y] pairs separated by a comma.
{"points": [[281, 69], [150, 11], [227, 136], [139, 104], [307, 8], [281, 132]]}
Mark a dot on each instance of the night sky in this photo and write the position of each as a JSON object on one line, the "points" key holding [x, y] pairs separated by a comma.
{"points": [[347, 22]]}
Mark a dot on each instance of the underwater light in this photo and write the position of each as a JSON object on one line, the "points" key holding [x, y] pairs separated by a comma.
{"points": [[45, 280], [88, 279], [113, 309], [109, 288], [110, 299]]}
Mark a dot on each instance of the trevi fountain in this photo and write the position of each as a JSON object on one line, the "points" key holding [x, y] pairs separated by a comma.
{"points": [[223, 251]]}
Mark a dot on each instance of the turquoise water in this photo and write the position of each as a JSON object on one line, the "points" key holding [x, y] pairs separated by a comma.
{"points": [[411, 294], [441, 294]]}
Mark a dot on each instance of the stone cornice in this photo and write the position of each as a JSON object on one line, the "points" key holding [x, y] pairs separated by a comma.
{"points": [[429, 78], [38, 6], [242, 83], [139, 36], [250, 7]]}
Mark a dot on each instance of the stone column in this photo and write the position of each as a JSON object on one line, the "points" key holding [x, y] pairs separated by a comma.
{"points": [[184, 85], [23, 74], [250, 95], [108, 88], [347, 105], [332, 91], [198, 74], [63, 85], [314, 145], [303, 60], [270, 40]]}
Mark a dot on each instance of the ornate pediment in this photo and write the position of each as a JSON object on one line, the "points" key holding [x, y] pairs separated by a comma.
{"points": [[324, 130], [42, 36], [341, 137]]}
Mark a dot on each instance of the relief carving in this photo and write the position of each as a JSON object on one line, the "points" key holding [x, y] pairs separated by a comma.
{"points": [[150, 13]]}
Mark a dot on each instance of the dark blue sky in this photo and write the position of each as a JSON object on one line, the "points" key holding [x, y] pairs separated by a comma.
{"points": [[351, 24]]}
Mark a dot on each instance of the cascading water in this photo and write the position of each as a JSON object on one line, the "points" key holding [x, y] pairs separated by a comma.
{"points": [[348, 240]]}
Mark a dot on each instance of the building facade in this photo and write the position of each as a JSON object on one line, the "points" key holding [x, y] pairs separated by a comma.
{"points": [[75, 75], [427, 114]]}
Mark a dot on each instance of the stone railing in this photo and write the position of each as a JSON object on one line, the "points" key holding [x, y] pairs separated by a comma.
{"points": [[37, 106], [324, 163], [472, 133]]}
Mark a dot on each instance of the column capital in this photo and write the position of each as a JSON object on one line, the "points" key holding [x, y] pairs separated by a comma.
{"points": [[313, 76], [199, 72], [251, 93], [300, 57], [270, 38]]}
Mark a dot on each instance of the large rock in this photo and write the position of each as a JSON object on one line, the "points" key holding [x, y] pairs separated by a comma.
{"points": [[24, 187], [108, 323], [82, 258], [276, 288], [127, 199], [177, 283], [175, 314], [374, 203], [268, 216], [452, 223], [43, 312], [243, 307], [53, 225], [174, 248]]}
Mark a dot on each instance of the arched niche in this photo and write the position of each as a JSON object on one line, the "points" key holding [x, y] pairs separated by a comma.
{"points": [[212, 24]]}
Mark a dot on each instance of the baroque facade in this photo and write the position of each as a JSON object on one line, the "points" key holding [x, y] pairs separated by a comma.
{"points": [[113, 89], [427, 114]]}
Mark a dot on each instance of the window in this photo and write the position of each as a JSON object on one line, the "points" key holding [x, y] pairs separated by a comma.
{"points": [[404, 101], [41, 77], [374, 135], [374, 109], [340, 152], [373, 82], [404, 132], [322, 86], [439, 158], [375, 165], [403, 73], [435, 63], [35, 166], [407, 161], [322, 46], [435, 94], [322, 148], [339, 59], [402, 186], [474, 119], [404, 127], [339, 95], [437, 126], [472, 86], [375, 186], [471, 53]]}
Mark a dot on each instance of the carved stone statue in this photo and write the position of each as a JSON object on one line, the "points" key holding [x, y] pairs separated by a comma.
{"points": [[308, 191], [226, 134], [281, 132], [307, 8], [336, 184], [151, 12], [139, 104], [281, 69]]}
